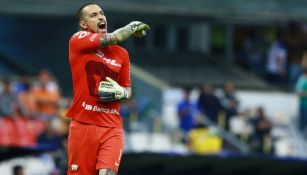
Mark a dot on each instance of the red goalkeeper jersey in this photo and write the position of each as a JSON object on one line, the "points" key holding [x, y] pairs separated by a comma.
{"points": [[89, 65]]}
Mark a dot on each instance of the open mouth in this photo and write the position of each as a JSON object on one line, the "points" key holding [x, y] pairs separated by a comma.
{"points": [[102, 26]]}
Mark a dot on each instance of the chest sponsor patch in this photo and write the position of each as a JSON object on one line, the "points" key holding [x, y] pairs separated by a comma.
{"points": [[107, 60]]}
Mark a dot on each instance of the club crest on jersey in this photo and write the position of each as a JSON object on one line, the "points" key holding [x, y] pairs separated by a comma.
{"points": [[107, 60], [74, 167]]}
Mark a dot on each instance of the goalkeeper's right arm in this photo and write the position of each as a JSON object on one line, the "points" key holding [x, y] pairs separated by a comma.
{"points": [[135, 28]]}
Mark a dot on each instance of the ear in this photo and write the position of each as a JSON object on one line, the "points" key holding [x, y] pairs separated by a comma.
{"points": [[83, 24]]}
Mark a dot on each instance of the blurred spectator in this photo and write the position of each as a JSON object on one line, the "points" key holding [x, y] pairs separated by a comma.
{"points": [[46, 101], [276, 61], [301, 90], [252, 55], [46, 95], [8, 101], [296, 43], [45, 77], [262, 128], [229, 102], [208, 103], [60, 157], [129, 113], [26, 100], [22, 84], [187, 113], [147, 115], [64, 120], [18, 170], [50, 138]]}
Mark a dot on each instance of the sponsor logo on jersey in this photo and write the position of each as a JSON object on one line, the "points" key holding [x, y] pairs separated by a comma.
{"points": [[99, 109], [112, 62], [87, 106], [107, 60], [100, 54]]}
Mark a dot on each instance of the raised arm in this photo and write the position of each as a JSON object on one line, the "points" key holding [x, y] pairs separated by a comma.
{"points": [[135, 28]]}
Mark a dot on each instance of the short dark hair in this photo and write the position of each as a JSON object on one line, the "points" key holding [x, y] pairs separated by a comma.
{"points": [[16, 169], [79, 12]]}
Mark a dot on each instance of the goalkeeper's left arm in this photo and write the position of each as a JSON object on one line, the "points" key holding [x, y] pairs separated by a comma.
{"points": [[135, 28], [110, 90]]}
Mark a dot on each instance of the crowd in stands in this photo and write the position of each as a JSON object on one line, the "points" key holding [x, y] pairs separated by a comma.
{"points": [[219, 107], [275, 56], [32, 113]]}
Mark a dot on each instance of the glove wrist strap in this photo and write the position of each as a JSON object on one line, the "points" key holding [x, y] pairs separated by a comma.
{"points": [[125, 92]]}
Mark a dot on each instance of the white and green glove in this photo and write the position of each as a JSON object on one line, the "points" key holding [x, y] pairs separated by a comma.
{"points": [[110, 90], [139, 28], [135, 28]]}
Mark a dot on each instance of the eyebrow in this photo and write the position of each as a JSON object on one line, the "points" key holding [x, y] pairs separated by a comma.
{"points": [[96, 13]]}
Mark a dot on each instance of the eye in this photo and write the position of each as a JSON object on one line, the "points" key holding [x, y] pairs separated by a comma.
{"points": [[93, 14], [102, 13]]}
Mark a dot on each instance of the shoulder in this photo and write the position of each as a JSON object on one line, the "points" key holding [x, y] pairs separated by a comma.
{"points": [[79, 35], [83, 35], [119, 49], [122, 51], [76, 37]]}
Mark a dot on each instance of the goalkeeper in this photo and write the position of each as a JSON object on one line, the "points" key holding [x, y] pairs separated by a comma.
{"points": [[101, 79]]}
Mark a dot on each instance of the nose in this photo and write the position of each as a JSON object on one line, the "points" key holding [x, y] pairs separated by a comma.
{"points": [[100, 17]]}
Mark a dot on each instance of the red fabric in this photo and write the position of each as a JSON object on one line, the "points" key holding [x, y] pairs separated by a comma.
{"points": [[89, 65], [6, 131], [92, 147], [20, 132]]}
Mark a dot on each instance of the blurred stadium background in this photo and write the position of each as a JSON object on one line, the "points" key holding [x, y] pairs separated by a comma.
{"points": [[214, 86]]}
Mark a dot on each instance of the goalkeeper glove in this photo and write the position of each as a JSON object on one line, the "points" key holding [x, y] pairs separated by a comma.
{"points": [[139, 28], [110, 91]]}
